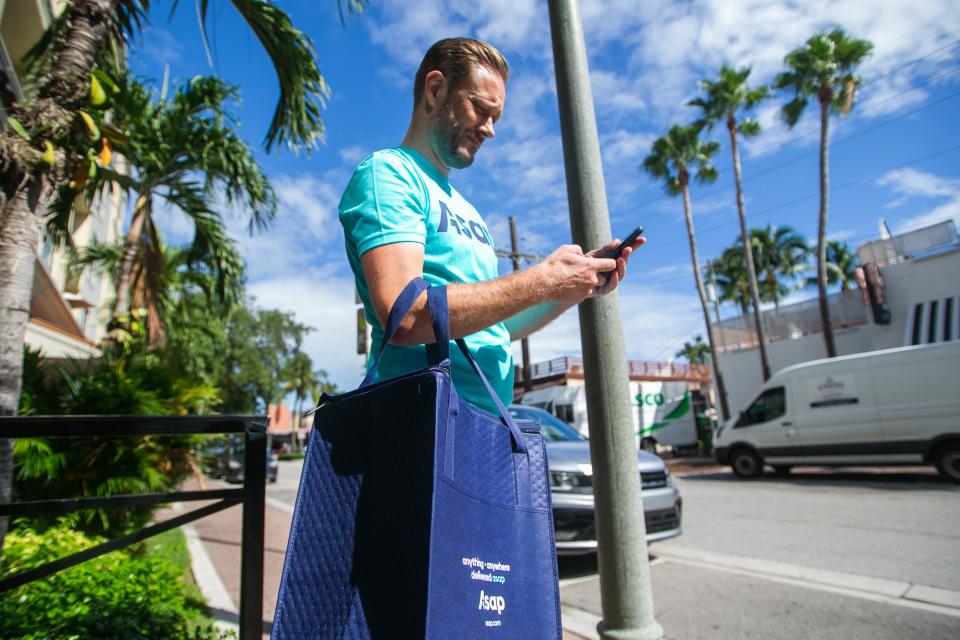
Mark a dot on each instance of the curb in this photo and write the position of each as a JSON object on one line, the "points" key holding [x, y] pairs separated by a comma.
{"points": [[896, 592]]}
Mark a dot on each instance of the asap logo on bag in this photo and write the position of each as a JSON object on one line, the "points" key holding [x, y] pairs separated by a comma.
{"points": [[492, 603]]}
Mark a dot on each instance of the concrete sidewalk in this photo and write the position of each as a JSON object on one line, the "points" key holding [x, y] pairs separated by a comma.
{"points": [[214, 544], [707, 596]]}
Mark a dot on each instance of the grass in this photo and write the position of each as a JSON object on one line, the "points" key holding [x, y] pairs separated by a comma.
{"points": [[171, 546]]}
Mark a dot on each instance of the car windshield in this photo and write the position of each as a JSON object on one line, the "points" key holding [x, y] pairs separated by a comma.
{"points": [[554, 429]]}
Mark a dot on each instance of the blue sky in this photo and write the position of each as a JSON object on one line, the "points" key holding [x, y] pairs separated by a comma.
{"points": [[897, 155]]}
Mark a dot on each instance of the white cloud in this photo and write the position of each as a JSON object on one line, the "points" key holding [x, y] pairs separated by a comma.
{"points": [[352, 155], [911, 184], [306, 224], [159, 46], [326, 303], [626, 147], [842, 235], [656, 322], [615, 93]]}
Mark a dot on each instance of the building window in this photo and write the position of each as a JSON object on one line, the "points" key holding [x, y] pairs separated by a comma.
{"points": [[948, 319], [917, 323], [932, 322]]}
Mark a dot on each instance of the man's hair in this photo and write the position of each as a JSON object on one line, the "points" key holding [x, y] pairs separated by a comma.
{"points": [[455, 58]]}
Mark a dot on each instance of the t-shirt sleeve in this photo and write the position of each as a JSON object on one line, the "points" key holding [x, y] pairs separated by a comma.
{"points": [[385, 202]]}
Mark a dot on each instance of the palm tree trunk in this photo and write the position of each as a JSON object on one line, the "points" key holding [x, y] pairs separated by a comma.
{"points": [[131, 243], [721, 388], [26, 197], [822, 229], [18, 242], [748, 254]]}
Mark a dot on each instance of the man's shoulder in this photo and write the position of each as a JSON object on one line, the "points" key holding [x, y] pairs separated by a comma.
{"points": [[392, 158]]}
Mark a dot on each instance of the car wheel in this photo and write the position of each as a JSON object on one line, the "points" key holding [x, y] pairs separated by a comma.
{"points": [[947, 460], [745, 463], [782, 469]]}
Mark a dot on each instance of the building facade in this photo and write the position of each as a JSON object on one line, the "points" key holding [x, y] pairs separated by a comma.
{"points": [[908, 293]]}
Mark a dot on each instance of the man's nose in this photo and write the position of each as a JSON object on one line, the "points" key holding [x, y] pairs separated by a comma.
{"points": [[487, 128]]}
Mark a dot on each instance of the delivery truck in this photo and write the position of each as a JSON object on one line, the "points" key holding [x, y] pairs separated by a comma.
{"points": [[662, 411], [891, 407]]}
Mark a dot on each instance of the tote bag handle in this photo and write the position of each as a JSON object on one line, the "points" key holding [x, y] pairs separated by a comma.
{"points": [[440, 351], [437, 303]]}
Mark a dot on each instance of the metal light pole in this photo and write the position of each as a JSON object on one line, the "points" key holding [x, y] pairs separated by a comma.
{"points": [[524, 343], [625, 591]]}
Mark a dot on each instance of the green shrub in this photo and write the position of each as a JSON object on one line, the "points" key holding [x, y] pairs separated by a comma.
{"points": [[298, 455], [128, 380], [115, 596]]}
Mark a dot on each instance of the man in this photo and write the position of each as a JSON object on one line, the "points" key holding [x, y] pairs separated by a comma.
{"points": [[402, 219]]}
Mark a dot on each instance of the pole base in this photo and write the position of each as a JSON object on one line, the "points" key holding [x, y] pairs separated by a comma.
{"points": [[652, 631]]}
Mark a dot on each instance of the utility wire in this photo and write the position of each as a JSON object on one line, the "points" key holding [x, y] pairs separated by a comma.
{"points": [[834, 143], [810, 196], [809, 154]]}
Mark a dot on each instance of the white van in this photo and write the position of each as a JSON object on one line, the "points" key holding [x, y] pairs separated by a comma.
{"points": [[896, 406]]}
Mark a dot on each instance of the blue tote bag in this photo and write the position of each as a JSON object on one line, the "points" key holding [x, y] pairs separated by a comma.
{"points": [[419, 515]]}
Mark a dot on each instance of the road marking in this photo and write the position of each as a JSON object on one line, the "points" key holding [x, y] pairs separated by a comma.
{"points": [[895, 592]]}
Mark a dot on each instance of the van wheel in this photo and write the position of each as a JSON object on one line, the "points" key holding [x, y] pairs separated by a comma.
{"points": [[745, 463], [947, 460]]}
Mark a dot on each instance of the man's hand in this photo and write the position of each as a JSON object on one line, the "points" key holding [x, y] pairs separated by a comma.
{"points": [[570, 276], [614, 277]]}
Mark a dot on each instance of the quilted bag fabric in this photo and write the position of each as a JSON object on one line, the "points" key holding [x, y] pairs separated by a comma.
{"points": [[419, 515]]}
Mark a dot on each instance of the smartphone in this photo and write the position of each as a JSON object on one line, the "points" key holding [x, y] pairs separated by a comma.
{"points": [[615, 253]]}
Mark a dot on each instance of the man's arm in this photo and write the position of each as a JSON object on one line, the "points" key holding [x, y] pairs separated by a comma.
{"points": [[565, 278]]}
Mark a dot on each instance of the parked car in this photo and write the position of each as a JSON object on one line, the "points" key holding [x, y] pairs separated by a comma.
{"points": [[571, 486], [889, 407], [228, 462]]}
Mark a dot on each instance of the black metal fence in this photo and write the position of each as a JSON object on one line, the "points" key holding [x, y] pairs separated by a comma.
{"points": [[251, 495]]}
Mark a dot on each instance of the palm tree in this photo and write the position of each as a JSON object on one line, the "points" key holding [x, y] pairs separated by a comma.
{"points": [[724, 99], [694, 352], [301, 379], [780, 254], [671, 159], [33, 163], [841, 265], [185, 151], [168, 282], [731, 277], [823, 67]]}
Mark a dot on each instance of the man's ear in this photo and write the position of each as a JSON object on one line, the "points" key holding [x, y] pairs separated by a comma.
{"points": [[434, 89]]}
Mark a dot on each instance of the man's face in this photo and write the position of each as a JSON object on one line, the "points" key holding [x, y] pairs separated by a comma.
{"points": [[465, 118]]}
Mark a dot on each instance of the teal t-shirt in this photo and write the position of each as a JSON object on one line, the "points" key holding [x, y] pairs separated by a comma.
{"points": [[396, 195]]}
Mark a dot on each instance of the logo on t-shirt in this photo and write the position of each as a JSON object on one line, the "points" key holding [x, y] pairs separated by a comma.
{"points": [[469, 228]]}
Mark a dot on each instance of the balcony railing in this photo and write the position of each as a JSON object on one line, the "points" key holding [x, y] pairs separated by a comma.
{"points": [[573, 366], [792, 321]]}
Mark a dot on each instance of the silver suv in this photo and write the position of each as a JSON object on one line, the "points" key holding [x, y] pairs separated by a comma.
{"points": [[571, 486]]}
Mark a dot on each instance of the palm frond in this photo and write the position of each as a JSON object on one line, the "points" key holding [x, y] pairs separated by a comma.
{"points": [[296, 121]]}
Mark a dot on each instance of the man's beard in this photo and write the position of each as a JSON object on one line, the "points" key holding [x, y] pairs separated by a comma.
{"points": [[449, 140]]}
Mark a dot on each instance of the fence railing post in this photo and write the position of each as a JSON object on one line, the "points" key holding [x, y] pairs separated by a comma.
{"points": [[251, 549]]}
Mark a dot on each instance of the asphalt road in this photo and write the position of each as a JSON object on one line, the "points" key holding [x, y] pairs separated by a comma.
{"points": [[850, 554]]}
